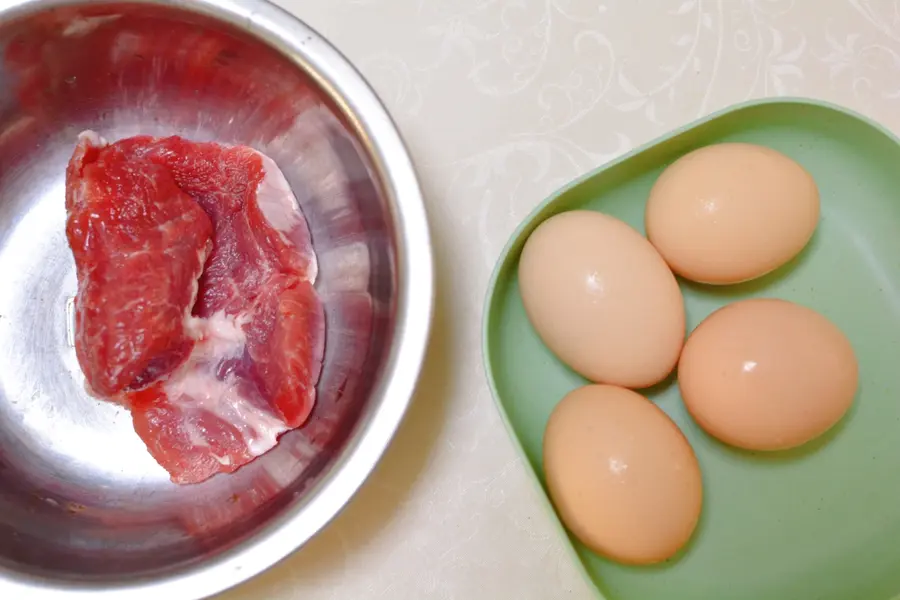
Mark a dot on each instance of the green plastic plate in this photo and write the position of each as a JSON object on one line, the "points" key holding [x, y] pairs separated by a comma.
{"points": [[818, 523]]}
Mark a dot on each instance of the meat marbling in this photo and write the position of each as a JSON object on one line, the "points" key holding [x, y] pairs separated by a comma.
{"points": [[126, 218], [255, 330]]}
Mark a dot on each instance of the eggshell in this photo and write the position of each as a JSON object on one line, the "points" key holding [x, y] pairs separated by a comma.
{"points": [[766, 374], [602, 299], [731, 212], [621, 475]]}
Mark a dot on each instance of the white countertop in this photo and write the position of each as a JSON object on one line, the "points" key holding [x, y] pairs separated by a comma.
{"points": [[501, 101]]}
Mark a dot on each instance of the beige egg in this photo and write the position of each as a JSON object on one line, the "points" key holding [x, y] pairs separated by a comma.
{"points": [[623, 478], [728, 213], [767, 374], [602, 299]]}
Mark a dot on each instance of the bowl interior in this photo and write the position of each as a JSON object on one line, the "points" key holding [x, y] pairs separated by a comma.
{"points": [[80, 497], [821, 521]]}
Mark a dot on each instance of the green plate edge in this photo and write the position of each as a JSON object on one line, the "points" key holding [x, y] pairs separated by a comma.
{"points": [[541, 212]]}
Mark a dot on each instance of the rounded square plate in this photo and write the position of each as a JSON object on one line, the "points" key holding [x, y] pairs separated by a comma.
{"points": [[819, 522]]}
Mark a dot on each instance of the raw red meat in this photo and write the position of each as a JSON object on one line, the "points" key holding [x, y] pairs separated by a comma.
{"points": [[127, 218], [257, 324]]}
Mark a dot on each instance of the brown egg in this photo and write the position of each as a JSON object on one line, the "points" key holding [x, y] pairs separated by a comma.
{"points": [[767, 374], [728, 213], [621, 475], [602, 299]]}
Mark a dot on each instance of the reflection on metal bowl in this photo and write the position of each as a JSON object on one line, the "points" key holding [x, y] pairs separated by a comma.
{"points": [[84, 510]]}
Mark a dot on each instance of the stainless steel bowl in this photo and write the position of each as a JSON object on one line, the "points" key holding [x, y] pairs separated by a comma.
{"points": [[84, 511]]}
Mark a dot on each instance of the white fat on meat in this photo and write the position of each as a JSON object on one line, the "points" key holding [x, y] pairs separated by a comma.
{"points": [[279, 206], [196, 387], [92, 138]]}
